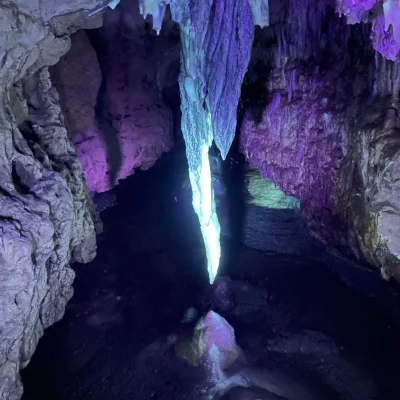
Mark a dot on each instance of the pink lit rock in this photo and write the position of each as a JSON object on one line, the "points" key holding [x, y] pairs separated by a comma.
{"points": [[132, 127], [213, 344], [143, 137], [218, 339], [345, 175], [135, 127]]}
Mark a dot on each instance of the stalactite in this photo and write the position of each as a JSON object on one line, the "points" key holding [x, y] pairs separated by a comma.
{"points": [[376, 79], [216, 41], [260, 12], [278, 52], [391, 11], [291, 83], [396, 83], [386, 79]]}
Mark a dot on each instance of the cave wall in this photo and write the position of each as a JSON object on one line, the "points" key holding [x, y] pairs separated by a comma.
{"points": [[47, 219], [111, 91], [325, 127], [77, 78], [102, 102]]}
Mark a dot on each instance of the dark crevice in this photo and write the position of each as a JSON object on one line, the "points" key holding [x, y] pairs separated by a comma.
{"points": [[26, 128], [19, 185]]}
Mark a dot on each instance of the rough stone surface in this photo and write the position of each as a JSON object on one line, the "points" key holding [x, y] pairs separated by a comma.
{"points": [[46, 217], [213, 348], [133, 125], [327, 132], [213, 341], [383, 40], [265, 193], [385, 18], [77, 78], [329, 135], [370, 175], [354, 10]]}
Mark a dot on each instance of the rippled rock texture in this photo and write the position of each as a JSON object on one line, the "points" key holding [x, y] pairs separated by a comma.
{"points": [[326, 131]]}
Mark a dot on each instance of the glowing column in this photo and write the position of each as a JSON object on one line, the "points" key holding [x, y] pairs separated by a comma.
{"points": [[216, 38], [204, 205]]}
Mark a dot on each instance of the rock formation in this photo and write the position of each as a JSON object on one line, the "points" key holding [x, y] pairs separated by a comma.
{"points": [[133, 126], [324, 127], [327, 132], [47, 218], [265, 193], [216, 41], [385, 18], [77, 78], [213, 348]]}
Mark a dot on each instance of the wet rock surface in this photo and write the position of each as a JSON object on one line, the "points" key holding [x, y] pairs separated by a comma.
{"points": [[304, 322]]}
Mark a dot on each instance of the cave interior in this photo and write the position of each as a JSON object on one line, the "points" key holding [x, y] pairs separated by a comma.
{"points": [[200, 200]]}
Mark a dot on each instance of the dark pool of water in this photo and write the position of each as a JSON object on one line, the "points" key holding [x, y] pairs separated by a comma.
{"points": [[151, 267]]}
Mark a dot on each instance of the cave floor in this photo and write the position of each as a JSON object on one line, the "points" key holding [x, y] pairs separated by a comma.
{"points": [[150, 269]]}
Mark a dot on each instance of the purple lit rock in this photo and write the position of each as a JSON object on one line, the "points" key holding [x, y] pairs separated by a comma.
{"points": [[212, 345], [354, 9], [212, 70], [391, 11], [228, 50], [218, 334], [133, 127], [322, 141], [142, 140], [383, 39], [385, 20], [297, 145]]}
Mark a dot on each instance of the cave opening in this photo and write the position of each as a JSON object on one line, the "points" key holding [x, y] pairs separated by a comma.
{"points": [[102, 166]]}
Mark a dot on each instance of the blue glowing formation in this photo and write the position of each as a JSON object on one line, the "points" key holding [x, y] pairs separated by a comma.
{"points": [[216, 38]]}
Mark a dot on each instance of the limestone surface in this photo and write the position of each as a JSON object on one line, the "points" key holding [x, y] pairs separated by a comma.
{"points": [[47, 219]]}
